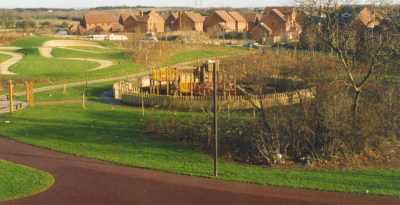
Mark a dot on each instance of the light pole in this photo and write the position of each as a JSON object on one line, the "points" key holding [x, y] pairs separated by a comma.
{"points": [[215, 114]]}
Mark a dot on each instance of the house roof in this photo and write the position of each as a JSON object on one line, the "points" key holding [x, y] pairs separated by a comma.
{"points": [[125, 15], [285, 10], [100, 18], [279, 14], [265, 27], [225, 16], [195, 17], [173, 16], [252, 17], [237, 16]]}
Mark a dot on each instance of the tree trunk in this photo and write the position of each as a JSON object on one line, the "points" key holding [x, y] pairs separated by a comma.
{"points": [[356, 101]]}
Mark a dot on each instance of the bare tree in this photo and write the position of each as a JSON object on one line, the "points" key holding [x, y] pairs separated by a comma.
{"points": [[362, 38]]}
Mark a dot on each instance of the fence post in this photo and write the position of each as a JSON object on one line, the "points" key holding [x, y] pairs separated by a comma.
{"points": [[11, 95], [141, 94], [29, 93]]}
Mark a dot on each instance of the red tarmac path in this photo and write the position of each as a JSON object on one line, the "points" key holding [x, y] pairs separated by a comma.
{"points": [[81, 181]]}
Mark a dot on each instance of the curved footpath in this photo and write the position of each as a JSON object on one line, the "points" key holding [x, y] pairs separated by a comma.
{"points": [[46, 49], [90, 182], [4, 66]]}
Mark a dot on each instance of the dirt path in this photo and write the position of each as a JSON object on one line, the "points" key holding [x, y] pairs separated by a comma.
{"points": [[82, 181], [9, 48], [48, 47], [15, 58]]}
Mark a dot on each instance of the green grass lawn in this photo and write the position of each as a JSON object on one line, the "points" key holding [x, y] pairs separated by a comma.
{"points": [[56, 71], [3, 57], [17, 181], [201, 54], [31, 41], [115, 134], [34, 66]]}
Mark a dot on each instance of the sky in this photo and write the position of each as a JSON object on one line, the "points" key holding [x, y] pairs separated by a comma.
{"points": [[95, 3]]}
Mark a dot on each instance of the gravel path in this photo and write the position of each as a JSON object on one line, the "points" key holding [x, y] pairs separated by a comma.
{"points": [[81, 181], [4, 66]]}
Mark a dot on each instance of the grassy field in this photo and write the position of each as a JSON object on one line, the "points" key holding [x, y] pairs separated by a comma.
{"points": [[34, 66], [3, 57], [17, 181], [55, 70], [31, 41], [115, 134], [201, 54]]}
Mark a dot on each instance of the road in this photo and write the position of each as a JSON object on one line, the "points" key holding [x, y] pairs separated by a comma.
{"points": [[82, 181]]}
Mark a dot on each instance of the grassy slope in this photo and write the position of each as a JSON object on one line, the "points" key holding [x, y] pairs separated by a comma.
{"points": [[3, 57], [34, 66], [18, 181], [29, 42], [199, 54], [123, 64], [115, 133]]}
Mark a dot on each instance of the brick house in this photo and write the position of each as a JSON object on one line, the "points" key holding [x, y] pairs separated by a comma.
{"points": [[219, 19], [171, 22], [76, 29], [190, 21], [360, 14], [368, 17], [283, 22], [261, 33], [240, 21], [125, 15], [98, 22], [253, 19], [145, 22]]}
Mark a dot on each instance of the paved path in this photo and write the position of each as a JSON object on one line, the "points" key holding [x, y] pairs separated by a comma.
{"points": [[4, 66], [46, 49], [89, 182]]}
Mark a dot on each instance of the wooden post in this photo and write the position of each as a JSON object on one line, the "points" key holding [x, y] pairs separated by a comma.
{"points": [[11, 95], [29, 93], [142, 104], [168, 87], [84, 98], [65, 89]]}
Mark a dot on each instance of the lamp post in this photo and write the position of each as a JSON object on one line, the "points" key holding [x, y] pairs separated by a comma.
{"points": [[215, 114]]}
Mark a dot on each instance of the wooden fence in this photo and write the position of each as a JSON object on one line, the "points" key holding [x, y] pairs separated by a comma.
{"points": [[198, 103]]}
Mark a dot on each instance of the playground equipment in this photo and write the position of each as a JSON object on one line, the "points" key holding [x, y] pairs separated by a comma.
{"points": [[187, 82]]}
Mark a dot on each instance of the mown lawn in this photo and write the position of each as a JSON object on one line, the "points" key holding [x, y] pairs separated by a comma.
{"points": [[17, 181], [3, 57], [115, 134], [192, 55], [34, 66], [31, 41]]}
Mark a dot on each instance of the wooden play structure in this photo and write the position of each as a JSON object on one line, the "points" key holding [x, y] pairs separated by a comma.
{"points": [[192, 89], [188, 82]]}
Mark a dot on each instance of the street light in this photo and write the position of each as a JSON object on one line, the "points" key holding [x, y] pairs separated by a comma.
{"points": [[215, 114]]}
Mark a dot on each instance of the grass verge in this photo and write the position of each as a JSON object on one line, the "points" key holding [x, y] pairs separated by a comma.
{"points": [[17, 181], [115, 134]]}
